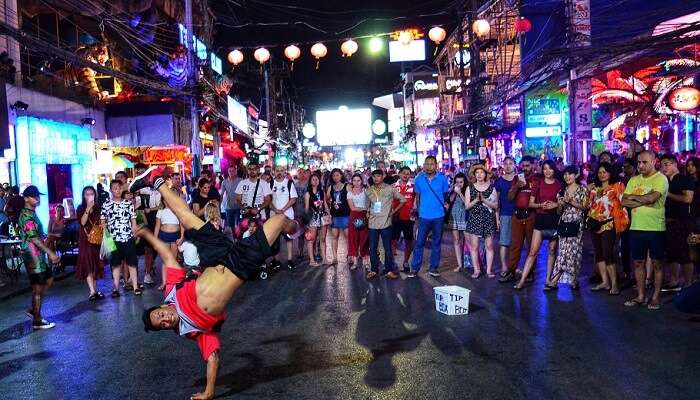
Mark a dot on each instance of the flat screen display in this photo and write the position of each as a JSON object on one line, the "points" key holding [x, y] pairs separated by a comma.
{"points": [[344, 127], [237, 114], [414, 51]]}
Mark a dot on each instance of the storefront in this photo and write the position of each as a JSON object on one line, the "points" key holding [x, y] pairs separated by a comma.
{"points": [[57, 157]]}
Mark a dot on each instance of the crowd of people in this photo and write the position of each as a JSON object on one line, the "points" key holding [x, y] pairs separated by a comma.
{"points": [[641, 215]]}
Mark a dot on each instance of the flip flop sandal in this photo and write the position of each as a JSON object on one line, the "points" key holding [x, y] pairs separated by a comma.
{"points": [[371, 275], [634, 303], [138, 292], [548, 288], [652, 307], [611, 293]]}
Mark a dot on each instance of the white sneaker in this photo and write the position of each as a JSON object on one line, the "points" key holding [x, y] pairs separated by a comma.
{"points": [[148, 279], [44, 325]]}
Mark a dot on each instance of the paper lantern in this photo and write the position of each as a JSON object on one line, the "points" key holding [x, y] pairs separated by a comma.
{"points": [[235, 57], [319, 51], [405, 38], [349, 47], [481, 28], [523, 25], [262, 55], [292, 52], [437, 34]]}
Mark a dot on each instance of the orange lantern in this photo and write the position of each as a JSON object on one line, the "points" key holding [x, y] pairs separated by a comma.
{"points": [[437, 34], [319, 50], [262, 55], [235, 57], [481, 28], [349, 47]]}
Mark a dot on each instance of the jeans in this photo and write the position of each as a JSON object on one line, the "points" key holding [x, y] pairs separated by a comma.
{"points": [[374, 235], [233, 216], [426, 226]]}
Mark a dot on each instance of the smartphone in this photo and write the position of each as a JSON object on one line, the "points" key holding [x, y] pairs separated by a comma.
{"points": [[521, 176]]}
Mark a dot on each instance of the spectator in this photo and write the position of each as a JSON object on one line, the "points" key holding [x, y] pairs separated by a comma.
{"points": [[228, 192], [381, 198], [119, 218], [573, 200], [483, 218], [171, 232], [56, 227], [337, 197], [317, 214], [201, 196], [523, 221], [506, 207], [301, 185], [284, 196], [431, 193], [34, 253], [646, 196], [608, 218], [679, 224], [253, 194], [404, 220], [358, 233], [89, 267], [544, 200], [457, 217]]}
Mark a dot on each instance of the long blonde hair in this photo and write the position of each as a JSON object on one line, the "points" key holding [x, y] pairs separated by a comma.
{"points": [[212, 212]]}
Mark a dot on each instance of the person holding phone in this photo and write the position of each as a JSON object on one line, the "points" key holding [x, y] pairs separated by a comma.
{"points": [[458, 217], [544, 200]]}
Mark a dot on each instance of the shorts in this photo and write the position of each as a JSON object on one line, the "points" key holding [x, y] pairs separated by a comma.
{"points": [[243, 258], [125, 252], [604, 246], [676, 241], [41, 278], [506, 230], [403, 227], [547, 224], [340, 222], [643, 242], [169, 237]]}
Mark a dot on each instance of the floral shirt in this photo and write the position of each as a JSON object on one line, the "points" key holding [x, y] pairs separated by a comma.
{"points": [[31, 228], [118, 216], [606, 204]]}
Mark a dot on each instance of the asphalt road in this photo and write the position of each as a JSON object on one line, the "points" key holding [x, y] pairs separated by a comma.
{"points": [[327, 333]]}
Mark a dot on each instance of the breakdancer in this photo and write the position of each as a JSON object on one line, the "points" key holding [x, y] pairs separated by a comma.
{"points": [[195, 307]]}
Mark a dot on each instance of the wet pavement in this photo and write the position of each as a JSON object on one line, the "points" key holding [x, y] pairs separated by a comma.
{"points": [[327, 333]]}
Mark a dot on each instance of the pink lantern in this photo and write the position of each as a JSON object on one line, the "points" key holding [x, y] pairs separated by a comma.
{"points": [[523, 25]]}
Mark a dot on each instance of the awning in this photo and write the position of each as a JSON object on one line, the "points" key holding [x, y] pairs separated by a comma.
{"points": [[389, 101], [120, 163]]}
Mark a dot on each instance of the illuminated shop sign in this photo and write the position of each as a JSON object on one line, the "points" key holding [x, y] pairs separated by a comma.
{"points": [[425, 86], [543, 116], [450, 85]]}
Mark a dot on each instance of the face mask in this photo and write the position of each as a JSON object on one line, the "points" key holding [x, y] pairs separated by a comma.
{"points": [[90, 198]]}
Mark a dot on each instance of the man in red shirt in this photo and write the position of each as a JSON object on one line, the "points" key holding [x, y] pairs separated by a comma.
{"points": [[194, 307], [404, 220], [523, 221]]}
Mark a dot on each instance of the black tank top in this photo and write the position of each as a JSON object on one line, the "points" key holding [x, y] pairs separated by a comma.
{"points": [[339, 202]]}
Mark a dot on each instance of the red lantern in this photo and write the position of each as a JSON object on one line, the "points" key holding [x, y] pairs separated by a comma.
{"points": [[523, 25]]}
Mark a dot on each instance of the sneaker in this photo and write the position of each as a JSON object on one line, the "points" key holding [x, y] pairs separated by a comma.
{"points": [[148, 179], [291, 265], [406, 269], [275, 264], [148, 279], [43, 324], [434, 274], [412, 274], [100, 295]]}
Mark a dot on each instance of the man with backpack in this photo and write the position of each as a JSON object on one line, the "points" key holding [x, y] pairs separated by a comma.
{"points": [[284, 196], [253, 194]]}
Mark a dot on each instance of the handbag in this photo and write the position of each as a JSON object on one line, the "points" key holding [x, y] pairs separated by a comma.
{"points": [[568, 229], [594, 225], [359, 223], [94, 236]]}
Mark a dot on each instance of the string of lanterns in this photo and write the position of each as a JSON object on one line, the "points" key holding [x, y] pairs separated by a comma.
{"points": [[437, 34]]}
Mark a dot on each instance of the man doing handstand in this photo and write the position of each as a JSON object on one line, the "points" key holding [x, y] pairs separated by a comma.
{"points": [[195, 308]]}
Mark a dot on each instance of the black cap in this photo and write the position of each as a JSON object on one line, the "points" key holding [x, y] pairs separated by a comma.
{"points": [[31, 191]]}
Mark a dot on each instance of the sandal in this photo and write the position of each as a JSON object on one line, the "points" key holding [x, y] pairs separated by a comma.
{"points": [[314, 264], [138, 292], [549, 288], [115, 294], [599, 288], [476, 274], [518, 287], [611, 293], [371, 274], [458, 269], [652, 306], [93, 297], [491, 275], [634, 303]]}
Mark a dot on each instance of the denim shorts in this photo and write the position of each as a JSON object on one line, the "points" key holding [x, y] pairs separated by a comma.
{"points": [[340, 222], [169, 237], [506, 232]]}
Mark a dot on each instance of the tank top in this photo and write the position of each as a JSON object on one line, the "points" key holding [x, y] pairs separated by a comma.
{"points": [[339, 202], [313, 198], [358, 200]]}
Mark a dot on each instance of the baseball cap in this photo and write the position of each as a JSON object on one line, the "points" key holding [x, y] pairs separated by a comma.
{"points": [[31, 191]]}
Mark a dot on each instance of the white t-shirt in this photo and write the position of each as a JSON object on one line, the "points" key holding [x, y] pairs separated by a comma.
{"points": [[167, 217], [246, 188], [280, 197]]}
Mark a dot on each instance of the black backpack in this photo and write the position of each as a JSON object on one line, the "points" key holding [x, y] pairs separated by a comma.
{"points": [[289, 187]]}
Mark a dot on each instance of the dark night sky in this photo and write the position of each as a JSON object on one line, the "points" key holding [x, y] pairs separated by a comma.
{"points": [[353, 81]]}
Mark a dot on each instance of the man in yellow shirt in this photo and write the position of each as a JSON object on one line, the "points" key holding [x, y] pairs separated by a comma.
{"points": [[646, 194]]}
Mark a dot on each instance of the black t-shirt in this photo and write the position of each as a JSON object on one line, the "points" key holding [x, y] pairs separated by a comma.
{"points": [[202, 201], [676, 209]]}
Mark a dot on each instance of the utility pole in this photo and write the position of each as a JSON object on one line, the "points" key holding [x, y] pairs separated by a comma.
{"points": [[196, 144], [462, 76], [573, 143]]}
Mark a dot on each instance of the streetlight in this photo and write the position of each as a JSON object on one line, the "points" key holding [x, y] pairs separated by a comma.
{"points": [[375, 45]]}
